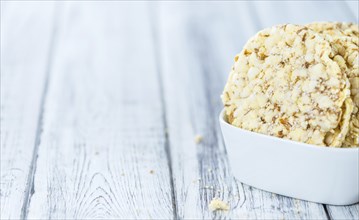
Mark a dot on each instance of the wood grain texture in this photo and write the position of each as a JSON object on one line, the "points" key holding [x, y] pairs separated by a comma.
{"points": [[344, 212], [26, 33], [102, 151], [195, 65], [102, 124]]}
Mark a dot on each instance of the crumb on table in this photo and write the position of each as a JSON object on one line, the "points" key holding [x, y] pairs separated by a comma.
{"points": [[198, 139], [218, 205]]}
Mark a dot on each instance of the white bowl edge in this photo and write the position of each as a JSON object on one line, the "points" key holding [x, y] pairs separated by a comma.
{"points": [[318, 174]]}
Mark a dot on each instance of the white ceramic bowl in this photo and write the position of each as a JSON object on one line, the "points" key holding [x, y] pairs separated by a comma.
{"points": [[318, 174]]}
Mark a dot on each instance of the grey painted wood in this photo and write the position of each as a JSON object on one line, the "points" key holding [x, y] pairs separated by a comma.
{"points": [[353, 6], [103, 123], [102, 151], [300, 12], [344, 212], [26, 33], [209, 34]]}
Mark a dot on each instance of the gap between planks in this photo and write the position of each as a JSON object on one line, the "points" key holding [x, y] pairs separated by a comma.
{"points": [[153, 21], [102, 106], [30, 179]]}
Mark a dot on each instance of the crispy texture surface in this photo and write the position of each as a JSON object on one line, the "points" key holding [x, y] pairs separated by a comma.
{"points": [[344, 40], [285, 83]]}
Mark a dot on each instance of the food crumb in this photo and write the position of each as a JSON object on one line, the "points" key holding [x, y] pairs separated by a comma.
{"points": [[152, 171], [218, 205], [198, 139]]}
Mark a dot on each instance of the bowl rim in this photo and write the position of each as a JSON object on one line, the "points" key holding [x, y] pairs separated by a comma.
{"points": [[299, 144]]}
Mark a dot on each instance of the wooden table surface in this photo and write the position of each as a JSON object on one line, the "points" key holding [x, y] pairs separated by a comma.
{"points": [[101, 102]]}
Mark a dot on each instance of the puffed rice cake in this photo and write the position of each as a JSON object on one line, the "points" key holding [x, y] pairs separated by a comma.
{"points": [[285, 84], [344, 39]]}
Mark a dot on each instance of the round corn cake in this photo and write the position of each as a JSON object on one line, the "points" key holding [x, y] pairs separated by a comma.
{"points": [[344, 40], [285, 84]]}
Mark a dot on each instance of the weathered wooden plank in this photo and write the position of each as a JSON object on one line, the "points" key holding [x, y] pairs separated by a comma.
{"points": [[353, 6], [196, 168], [300, 12], [102, 151], [26, 33], [197, 44], [344, 212]]}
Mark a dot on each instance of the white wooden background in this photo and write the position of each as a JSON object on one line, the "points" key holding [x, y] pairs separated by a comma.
{"points": [[101, 101]]}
